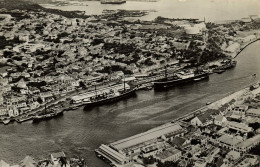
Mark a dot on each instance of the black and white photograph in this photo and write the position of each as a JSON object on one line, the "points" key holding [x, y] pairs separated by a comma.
{"points": [[129, 83]]}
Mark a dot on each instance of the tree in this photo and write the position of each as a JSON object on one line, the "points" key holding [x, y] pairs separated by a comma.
{"points": [[82, 84], [97, 41], [255, 125], [39, 100], [195, 142], [167, 164], [149, 160], [250, 134], [189, 155], [7, 54]]}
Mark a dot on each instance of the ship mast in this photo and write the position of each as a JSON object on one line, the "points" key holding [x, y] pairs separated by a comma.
{"points": [[124, 83], [96, 90], [254, 79], [165, 71]]}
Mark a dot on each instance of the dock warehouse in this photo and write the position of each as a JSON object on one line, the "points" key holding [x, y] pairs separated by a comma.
{"points": [[147, 136]]}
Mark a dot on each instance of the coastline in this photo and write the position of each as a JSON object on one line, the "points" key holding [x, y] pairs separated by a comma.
{"points": [[245, 46]]}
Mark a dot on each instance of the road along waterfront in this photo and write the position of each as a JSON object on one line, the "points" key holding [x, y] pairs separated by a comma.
{"points": [[79, 132]]}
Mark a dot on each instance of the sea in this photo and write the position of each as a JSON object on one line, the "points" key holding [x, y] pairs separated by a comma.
{"points": [[211, 10], [79, 132]]}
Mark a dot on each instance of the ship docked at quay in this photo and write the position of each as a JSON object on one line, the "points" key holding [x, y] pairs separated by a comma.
{"points": [[53, 113], [103, 96], [225, 65], [181, 77]]}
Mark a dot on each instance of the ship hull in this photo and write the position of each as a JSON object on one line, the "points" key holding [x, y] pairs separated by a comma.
{"points": [[110, 100], [35, 120], [111, 2], [164, 84]]}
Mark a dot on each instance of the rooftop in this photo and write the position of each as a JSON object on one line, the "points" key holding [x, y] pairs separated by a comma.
{"points": [[146, 136], [167, 153], [230, 140]]}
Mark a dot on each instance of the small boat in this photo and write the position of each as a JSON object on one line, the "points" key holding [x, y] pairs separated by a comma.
{"points": [[198, 79], [24, 119], [208, 103], [74, 108], [6, 121], [219, 71], [149, 88]]}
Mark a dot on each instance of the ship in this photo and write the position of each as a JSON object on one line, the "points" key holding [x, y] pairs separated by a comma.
{"points": [[218, 71], [24, 119], [180, 78], [225, 65], [45, 116], [103, 96], [228, 64], [112, 1], [116, 96]]}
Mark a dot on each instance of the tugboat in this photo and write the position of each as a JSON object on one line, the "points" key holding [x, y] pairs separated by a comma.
{"points": [[180, 78]]}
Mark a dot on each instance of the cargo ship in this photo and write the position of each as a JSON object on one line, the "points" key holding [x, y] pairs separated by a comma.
{"points": [[180, 78], [112, 1], [103, 96]]}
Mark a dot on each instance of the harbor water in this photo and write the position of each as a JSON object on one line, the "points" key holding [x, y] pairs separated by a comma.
{"points": [[79, 132], [211, 10]]}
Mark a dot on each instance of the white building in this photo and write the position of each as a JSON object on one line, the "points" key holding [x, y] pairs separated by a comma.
{"points": [[233, 48], [219, 120], [253, 112], [239, 126], [112, 154]]}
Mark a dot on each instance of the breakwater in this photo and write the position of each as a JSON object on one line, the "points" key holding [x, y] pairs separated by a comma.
{"points": [[241, 49]]}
